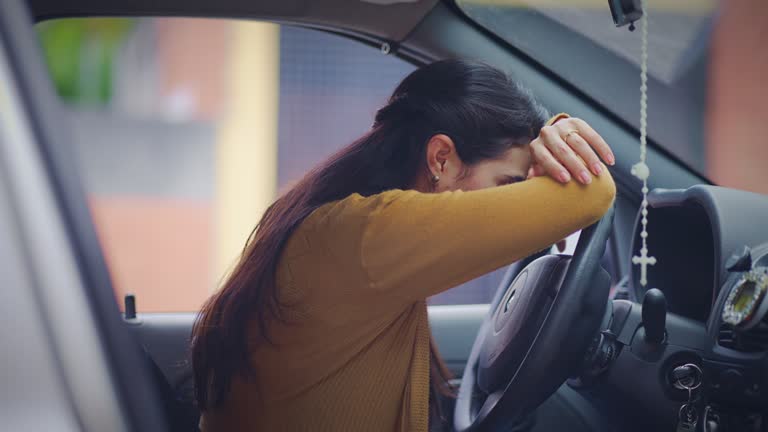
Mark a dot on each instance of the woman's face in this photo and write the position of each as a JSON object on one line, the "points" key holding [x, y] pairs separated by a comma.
{"points": [[443, 161], [510, 167]]}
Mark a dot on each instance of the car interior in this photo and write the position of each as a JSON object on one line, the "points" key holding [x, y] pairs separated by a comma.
{"points": [[686, 350]]}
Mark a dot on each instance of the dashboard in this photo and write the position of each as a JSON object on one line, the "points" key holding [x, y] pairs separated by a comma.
{"points": [[709, 316], [693, 234]]}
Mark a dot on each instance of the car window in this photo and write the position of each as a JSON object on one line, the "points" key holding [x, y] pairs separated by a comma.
{"points": [[188, 128], [706, 66]]}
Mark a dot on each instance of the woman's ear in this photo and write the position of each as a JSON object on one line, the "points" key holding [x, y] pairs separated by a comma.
{"points": [[443, 161]]}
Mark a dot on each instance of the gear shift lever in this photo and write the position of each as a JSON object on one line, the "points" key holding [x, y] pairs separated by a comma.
{"points": [[654, 314]]}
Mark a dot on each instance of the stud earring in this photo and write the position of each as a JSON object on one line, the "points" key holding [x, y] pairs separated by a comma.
{"points": [[435, 178]]}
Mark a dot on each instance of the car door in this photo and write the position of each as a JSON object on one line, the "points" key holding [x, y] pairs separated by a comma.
{"points": [[68, 363]]}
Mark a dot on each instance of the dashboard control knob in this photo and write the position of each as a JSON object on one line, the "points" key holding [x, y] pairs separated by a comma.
{"points": [[654, 314], [740, 261], [731, 381]]}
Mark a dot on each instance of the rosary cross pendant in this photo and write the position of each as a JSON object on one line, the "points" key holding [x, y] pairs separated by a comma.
{"points": [[644, 261]]}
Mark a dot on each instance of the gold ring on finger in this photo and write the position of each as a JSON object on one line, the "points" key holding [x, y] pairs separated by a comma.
{"points": [[568, 135]]}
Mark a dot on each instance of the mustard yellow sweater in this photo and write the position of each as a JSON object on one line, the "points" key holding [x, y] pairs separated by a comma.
{"points": [[357, 272]]}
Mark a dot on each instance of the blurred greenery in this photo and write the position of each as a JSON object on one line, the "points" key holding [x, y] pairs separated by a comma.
{"points": [[80, 54]]}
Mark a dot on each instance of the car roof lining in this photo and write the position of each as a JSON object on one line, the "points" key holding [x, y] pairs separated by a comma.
{"points": [[391, 21]]}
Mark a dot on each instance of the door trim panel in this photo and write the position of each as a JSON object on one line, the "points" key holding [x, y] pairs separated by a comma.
{"points": [[166, 337]]}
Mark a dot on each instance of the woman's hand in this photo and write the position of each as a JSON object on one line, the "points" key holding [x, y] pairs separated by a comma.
{"points": [[569, 149]]}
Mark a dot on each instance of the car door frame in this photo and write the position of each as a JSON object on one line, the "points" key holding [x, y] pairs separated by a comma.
{"points": [[106, 380]]}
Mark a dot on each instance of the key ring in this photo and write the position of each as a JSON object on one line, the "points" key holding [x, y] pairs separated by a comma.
{"points": [[697, 378]]}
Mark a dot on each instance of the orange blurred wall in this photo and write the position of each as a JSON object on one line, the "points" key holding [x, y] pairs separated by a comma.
{"points": [[737, 117], [158, 249], [171, 252], [161, 248], [194, 58]]}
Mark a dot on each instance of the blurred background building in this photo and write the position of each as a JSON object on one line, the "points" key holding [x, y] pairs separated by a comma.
{"points": [[188, 128]]}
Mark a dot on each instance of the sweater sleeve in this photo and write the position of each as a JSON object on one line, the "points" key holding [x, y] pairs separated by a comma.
{"points": [[415, 245]]}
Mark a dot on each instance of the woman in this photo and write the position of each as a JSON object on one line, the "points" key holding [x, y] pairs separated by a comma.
{"points": [[322, 326]]}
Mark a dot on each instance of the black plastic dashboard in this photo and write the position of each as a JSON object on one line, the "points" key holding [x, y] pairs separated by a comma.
{"points": [[711, 250], [692, 233]]}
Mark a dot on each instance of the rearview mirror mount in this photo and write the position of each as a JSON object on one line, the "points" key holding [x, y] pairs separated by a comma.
{"points": [[625, 12]]}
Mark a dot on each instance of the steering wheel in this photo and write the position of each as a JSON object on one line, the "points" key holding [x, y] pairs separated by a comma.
{"points": [[536, 336]]}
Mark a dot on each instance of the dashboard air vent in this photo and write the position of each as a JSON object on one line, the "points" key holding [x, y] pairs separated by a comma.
{"points": [[752, 340]]}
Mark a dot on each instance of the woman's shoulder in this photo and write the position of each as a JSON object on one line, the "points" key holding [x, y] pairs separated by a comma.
{"points": [[342, 224], [335, 231], [357, 206]]}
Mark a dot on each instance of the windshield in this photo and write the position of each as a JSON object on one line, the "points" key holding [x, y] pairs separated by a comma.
{"points": [[704, 84]]}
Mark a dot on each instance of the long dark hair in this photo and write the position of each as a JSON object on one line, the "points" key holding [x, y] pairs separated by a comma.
{"points": [[479, 107]]}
